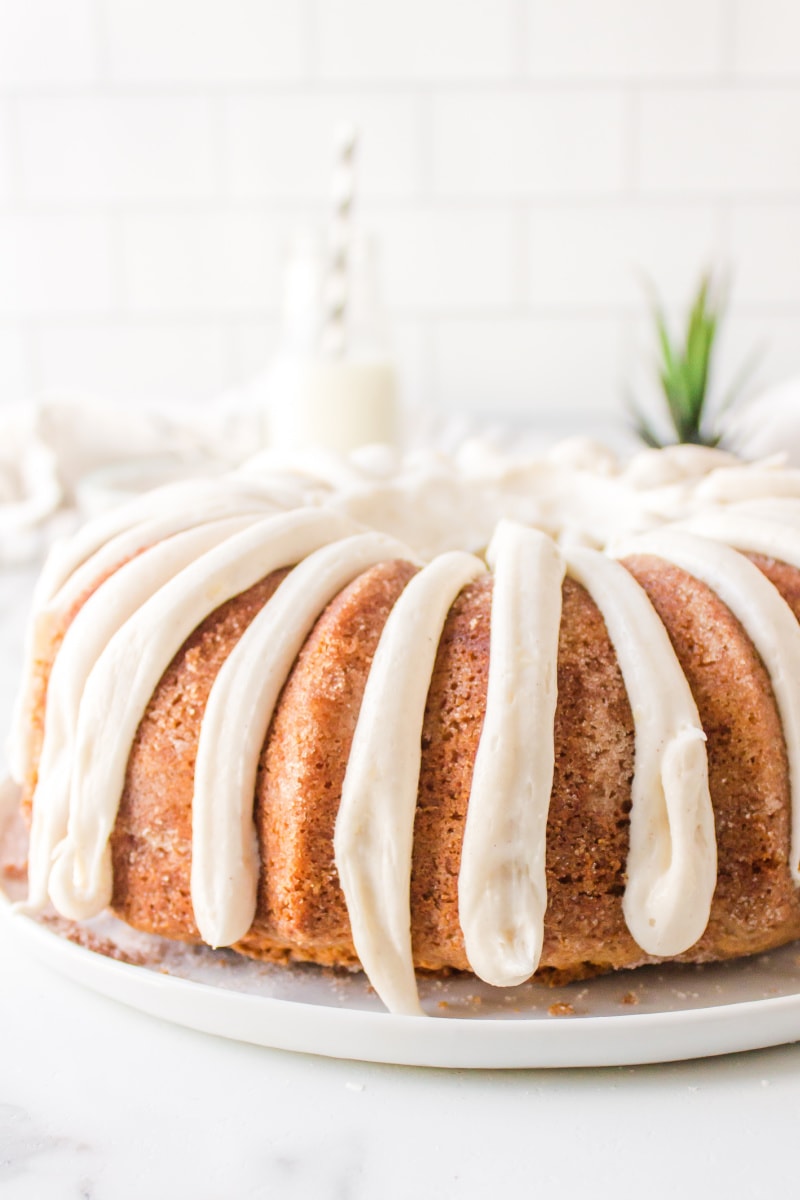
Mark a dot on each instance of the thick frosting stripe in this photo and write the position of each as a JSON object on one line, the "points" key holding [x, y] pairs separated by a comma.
{"points": [[766, 619], [141, 537], [785, 511], [375, 825], [103, 614], [125, 676], [502, 892], [49, 617], [190, 495], [747, 481], [225, 862], [752, 534], [672, 861]]}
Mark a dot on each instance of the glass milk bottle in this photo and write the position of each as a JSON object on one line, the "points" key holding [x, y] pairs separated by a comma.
{"points": [[337, 400]]}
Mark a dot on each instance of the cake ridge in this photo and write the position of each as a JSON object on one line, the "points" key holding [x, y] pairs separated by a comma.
{"points": [[766, 618]]}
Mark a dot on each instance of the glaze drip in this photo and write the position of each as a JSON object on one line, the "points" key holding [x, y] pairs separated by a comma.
{"points": [[765, 616], [375, 825], [672, 862], [125, 676], [240, 706], [102, 616], [502, 894]]}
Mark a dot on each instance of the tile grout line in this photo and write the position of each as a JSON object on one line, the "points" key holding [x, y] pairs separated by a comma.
{"points": [[426, 139], [219, 137], [33, 354], [520, 49], [724, 231], [307, 206], [16, 157], [632, 125], [288, 89], [433, 383], [729, 17], [312, 43], [120, 298], [521, 243], [102, 47], [511, 313]]}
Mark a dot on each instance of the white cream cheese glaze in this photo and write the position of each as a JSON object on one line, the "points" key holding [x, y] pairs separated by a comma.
{"points": [[766, 618], [102, 616], [375, 825], [126, 674], [123, 638], [752, 533], [502, 893], [240, 706], [191, 501], [672, 864], [102, 545]]}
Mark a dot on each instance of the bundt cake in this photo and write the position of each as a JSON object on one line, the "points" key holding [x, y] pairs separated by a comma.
{"points": [[478, 713]]}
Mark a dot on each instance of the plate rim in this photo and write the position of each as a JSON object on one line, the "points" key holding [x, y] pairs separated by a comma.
{"points": [[578, 1041]]}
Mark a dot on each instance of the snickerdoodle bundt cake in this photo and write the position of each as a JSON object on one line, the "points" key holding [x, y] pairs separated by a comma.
{"points": [[477, 713]]}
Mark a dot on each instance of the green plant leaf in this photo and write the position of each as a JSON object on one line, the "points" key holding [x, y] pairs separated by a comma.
{"points": [[684, 372], [644, 430]]}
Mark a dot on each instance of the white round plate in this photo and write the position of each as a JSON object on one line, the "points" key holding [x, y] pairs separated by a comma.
{"points": [[654, 1014], [651, 1015]]}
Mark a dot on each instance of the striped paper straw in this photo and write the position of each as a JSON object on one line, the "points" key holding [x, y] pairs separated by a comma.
{"points": [[334, 334]]}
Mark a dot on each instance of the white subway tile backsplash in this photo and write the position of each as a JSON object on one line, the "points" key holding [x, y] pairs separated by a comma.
{"points": [[206, 41], [415, 39], [47, 42], [767, 37], [445, 259], [519, 143], [624, 39], [202, 262], [281, 147], [609, 254], [765, 253], [117, 148], [542, 369], [136, 363], [720, 141], [523, 164], [54, 264], [768, 342], [254, 341]]}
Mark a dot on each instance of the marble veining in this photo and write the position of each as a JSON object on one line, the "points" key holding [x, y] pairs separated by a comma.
{"points": [[28, 1148]]}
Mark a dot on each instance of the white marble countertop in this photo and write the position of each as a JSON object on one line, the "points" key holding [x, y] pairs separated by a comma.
{"points": [[101, 1102]]}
